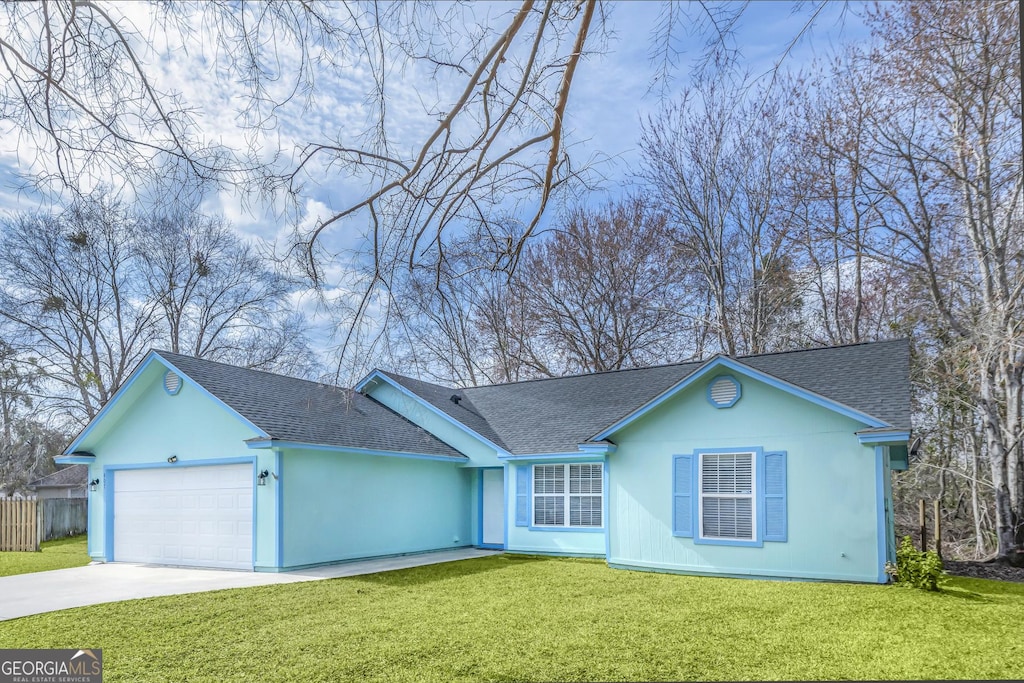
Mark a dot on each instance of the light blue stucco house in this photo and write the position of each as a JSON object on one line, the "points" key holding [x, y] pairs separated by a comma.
{"points": [[775, 465]]}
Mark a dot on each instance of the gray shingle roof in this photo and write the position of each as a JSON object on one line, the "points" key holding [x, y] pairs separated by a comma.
{"points": [[298, 410], [73, 476], [554, 415], [465, 411]]}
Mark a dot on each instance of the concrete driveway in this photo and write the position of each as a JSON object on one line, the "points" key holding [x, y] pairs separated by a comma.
{"points": [[94, 584]]}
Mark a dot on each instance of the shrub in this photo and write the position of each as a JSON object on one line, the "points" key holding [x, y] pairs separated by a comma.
{"points": [[914, 568]]}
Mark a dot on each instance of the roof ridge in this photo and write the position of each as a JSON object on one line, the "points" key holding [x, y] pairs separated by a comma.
{"points": [[264, 372], [417, 379], [700, 361], [584, 374], [821, 348]]}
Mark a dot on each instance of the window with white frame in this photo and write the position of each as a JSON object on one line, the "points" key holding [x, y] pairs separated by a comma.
{"points": [[568, 495], [727, 496]]}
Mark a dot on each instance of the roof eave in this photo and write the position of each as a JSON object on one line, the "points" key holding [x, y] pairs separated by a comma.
{"points": [[883, 436], [123, 389], [271, 443], [720, 361]]}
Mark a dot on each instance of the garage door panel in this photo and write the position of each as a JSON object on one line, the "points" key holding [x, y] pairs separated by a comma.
{"points": [[198, 516]]}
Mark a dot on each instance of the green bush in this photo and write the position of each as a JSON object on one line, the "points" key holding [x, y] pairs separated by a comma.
{"points": [[914, 568]]}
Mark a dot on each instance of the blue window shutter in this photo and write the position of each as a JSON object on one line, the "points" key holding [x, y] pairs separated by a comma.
{"points": [[775, 527], [682, 496], [523, 495]]}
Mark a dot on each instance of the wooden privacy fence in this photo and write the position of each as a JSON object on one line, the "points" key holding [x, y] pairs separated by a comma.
{"points": [[62, 517], [19, 529], [24, 524]]}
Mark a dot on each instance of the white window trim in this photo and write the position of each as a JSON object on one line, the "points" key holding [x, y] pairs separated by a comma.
{"points": [[752, 496], [566, 495]]}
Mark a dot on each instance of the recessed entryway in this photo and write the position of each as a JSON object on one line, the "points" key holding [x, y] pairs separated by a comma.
{"points": [[492, 505]]}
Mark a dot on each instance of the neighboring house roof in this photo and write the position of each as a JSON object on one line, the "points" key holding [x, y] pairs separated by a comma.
{"points": [[301, 411], [555, 415], [73, 476]]}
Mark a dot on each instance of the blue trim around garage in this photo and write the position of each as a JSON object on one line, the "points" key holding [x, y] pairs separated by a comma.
{"points": [[274, 443], [279, 512], [255, 503], [108, 512], [376, 374], [735, 366], [108, 492]]}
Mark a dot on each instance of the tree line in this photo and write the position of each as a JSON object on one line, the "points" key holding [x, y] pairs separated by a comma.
{"points": [[875, 195], [87, 291]]}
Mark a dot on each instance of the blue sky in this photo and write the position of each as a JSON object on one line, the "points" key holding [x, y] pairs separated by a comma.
{"points": [[611, 94]]}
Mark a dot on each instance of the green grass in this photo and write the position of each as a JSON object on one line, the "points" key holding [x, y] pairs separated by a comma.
{"points": [[522, 618], [59, 554]]}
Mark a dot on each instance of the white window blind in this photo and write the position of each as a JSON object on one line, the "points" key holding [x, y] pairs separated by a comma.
{"points": [[582, 497], [727, 495], [548, 495]]}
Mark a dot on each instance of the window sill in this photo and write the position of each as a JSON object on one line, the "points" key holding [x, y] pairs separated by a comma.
{"points": [[570, 529], [756, 543]]}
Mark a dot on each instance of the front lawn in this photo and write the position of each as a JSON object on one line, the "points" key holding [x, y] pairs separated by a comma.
{"points": [[59, 554], [515, 618]]}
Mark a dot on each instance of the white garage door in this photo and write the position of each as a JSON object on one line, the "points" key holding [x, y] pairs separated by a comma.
{"points": [[192, 516]]}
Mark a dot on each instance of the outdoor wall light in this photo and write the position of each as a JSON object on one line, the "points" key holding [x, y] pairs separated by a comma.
{"points": [[94, 484], [261, 479], [173, 458]]}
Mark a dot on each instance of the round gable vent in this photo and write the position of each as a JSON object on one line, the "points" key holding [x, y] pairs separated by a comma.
{"points": [[723, 392], [172, 383]]}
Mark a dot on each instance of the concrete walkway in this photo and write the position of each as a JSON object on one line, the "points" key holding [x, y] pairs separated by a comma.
{"points": [[94, 584]]}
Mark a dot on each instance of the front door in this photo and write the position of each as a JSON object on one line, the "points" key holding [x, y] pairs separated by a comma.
{"points": [[492, 505]]}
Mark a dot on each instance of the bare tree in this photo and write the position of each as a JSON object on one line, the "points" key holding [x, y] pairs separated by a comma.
{"points": [[69, 288], [218, 297], [81, 79], [88, 291], [85, 82], [940, 156], [851, 294], [712, 159], [26, 443], [607, 290]]}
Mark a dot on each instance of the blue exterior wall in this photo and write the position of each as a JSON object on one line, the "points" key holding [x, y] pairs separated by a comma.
{"points": [[480, 453], [589, 542], [833, 506], [342, 506], [148, 425]]}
